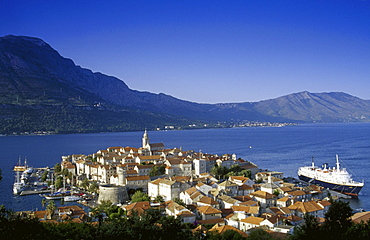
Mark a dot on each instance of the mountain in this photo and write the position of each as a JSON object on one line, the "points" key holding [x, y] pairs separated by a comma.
{"points": [[317, 107], [36, 82]]}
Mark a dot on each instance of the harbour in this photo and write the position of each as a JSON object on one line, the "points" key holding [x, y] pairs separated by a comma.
{"points": [[295, 148]]}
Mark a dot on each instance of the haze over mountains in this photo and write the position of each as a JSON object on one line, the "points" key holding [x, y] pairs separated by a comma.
{"points": [[34, 76]]}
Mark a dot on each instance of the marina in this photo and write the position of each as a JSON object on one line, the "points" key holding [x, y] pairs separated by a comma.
{"points": [[281, 149]]}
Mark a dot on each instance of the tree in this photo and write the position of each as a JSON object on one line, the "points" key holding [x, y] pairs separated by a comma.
{"points": [[337, 224], [153, 171], [43, 202], [57, 168], [50, 208], [94, 187], [309, 230], [106, 208], [161, 170], [59, 183], [1, 175], [139, 197], [44, 176], [219, 171], [338, 220], [159, 199], [246, 173], [259, 234], [179, 201], [235, 168], [85, 184], [359, 231], [231, 173]]}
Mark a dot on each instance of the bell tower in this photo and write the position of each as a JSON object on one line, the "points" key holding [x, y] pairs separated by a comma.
{"points": [[145, 140]]}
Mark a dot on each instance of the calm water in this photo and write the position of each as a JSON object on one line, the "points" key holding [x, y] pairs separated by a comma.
{"points": [[282, 149]]}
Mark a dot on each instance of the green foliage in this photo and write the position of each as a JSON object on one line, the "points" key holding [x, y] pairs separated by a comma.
{"points": [[153, 171], [157, 171], [139, 197], [338, 219], [227, 235], [106, 208], [231, 173], [221, 172], [85, 184], [260, 234], [51, 207], [57, 168], [43, 202], [359, 231], [179, 201], [44, 176], [246, 173], [310, 230], [235, 168], [337, 225], [69, 230], [276, 192], [159, 199], [151, 225], [59, 182], [13, 226], [93, 187]]}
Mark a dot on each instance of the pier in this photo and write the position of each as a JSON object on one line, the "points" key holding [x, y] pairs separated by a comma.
{"points": [[34, 191]]}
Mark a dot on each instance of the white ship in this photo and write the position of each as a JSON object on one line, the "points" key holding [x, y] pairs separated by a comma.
{"points": [[18, 186], [336, 178]]}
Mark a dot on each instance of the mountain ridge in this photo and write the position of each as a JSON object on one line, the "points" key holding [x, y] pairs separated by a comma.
{"points": [[32, 72]]}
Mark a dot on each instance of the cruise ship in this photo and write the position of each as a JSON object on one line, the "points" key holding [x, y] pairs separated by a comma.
{"points": [[336, 178]]}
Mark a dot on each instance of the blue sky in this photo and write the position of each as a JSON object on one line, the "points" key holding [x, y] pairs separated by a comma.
{"points": [[208, 51]]}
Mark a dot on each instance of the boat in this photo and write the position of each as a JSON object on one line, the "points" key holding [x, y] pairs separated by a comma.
{"points": [[18, 186], [337, 179], [55, 195], [72, 198], [60, 194], [19, 167], [26, 174]]}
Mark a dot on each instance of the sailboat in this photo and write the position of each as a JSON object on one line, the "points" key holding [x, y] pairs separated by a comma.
{"points": [[72, 198], [55, 195], [19, 167]]}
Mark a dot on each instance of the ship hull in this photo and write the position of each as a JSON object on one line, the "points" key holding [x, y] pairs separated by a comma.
{"points": [[345, 189]]}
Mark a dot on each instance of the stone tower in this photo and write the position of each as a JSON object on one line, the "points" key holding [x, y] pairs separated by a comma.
{"points": [[115, 194]]}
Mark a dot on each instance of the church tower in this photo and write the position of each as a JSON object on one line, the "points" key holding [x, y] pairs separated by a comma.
{"points": [[145, 140]]}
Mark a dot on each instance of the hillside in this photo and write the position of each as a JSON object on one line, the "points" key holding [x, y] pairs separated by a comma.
{"points": [[36, 82]]}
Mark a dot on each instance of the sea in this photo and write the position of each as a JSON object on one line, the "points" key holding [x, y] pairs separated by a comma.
{"points": [[282, 149]]}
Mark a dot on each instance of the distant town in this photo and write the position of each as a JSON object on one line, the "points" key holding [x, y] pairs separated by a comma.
{"points": [[190, 126]]}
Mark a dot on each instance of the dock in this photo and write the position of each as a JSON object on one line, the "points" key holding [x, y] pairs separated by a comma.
{"points": [[338, 195], [34, 191]]}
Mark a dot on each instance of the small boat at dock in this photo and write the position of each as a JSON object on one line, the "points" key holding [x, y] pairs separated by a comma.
{"points": [[72, 198]]}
